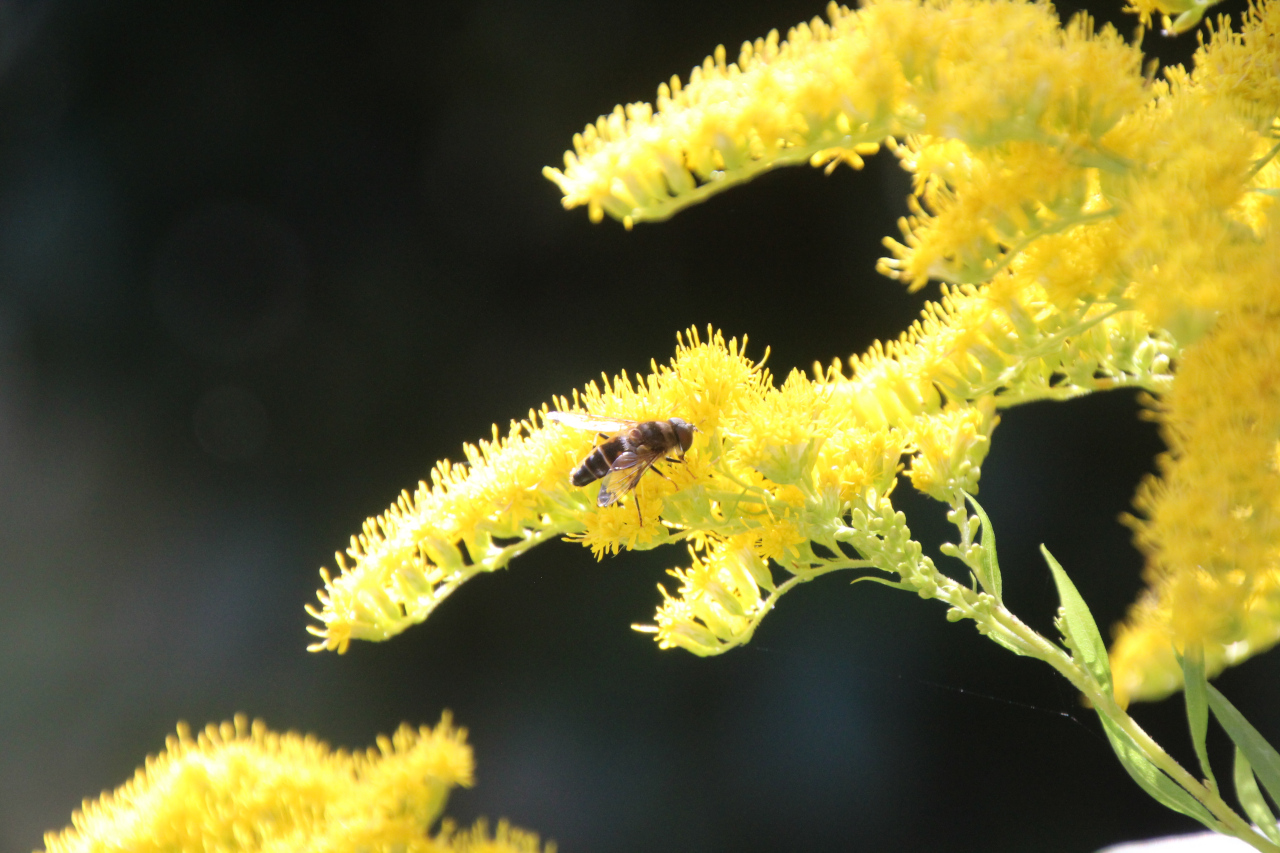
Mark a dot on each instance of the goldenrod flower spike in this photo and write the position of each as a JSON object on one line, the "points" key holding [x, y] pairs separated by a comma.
{"points": [[1092, 227], [1239, 65], [242, 787], [514, 492], [987, 73], [772, 469], [1211, 525]]}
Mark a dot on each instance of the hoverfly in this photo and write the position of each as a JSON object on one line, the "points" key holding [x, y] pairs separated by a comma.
{"points": [[621, 461]]}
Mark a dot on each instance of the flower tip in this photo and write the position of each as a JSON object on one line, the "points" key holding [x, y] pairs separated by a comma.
{"points": [[331, 637]]}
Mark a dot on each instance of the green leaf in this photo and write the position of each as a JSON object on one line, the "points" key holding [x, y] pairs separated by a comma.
{"points": [[895, 584], [1152, 779], [1081, 629], [990, 577], [1195, 692], [1262, 756], [1008, 644], [1255, 805]]}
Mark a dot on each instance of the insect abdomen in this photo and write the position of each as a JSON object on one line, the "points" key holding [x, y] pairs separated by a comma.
{"points": [[597, 463]]}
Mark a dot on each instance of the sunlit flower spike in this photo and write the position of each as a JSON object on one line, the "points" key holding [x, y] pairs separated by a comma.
{"points": [[1093, 228], [1100, 227]]}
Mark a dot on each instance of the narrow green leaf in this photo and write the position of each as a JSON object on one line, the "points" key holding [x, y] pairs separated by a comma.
{"points": [[1195, 692], [1001, 641], [1255, 805], [1081, 629], [990, 579], [885, 581], [1262, 756], [1152, 779]]}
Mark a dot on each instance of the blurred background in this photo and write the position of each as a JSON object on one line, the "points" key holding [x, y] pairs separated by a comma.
{"points": [[261, 264]]}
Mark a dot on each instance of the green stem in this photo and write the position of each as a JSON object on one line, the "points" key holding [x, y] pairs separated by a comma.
{"points": [[997, 618], [1262, 161], [993, 619]]}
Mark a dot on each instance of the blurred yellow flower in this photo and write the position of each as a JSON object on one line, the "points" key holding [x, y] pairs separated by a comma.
{"points": [[242, 787]]}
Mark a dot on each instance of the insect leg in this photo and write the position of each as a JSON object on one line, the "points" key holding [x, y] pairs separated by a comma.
{"points": [[681, 459]]}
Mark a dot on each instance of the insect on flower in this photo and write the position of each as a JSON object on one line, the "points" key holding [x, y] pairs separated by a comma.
{"points": [[621, 461]]}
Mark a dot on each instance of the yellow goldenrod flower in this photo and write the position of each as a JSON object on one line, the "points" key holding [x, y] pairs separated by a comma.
{"points": [[985, 73], [1212, 519], [1092, 228], [719, 601], [950, 447], [781, 435], [1240, 65], [241, 787], [1096, 228], [505, 839], [770, 470], [514, 492]]}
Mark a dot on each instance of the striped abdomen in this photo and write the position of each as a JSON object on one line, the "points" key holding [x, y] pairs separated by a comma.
{"points": [[599, 461]]}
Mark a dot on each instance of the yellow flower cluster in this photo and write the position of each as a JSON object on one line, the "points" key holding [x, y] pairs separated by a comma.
{"points": [[514, 492], [1211, 524], [1239, 65], [772, 470], [950, 449], [1096, 228], [242, 787], [769, 469], [1092, 228], [720, 599], [983, 73]]}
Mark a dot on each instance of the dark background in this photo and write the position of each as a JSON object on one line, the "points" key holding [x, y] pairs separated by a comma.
{"points": [[261, 264]]}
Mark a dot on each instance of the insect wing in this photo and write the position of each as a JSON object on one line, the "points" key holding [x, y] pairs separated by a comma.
{"points": [[579, 420], [624, 474]]}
